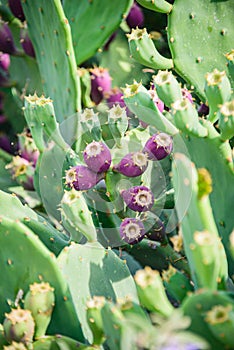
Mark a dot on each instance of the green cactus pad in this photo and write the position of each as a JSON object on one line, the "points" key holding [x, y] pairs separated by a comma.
{"points": [[196, 307], [199, 35], [54, 240], [51, 37], [59, 342], [99, 23], [92, 270], [25, 260]]}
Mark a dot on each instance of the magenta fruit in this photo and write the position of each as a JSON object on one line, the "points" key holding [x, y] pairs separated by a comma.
{"points": [[4, 61], [81, 178], [133, 164], [16, 9], [6, 39], [132, 230], [100, 83], [138, 198], [135, 17], [159, 146], [97, 156]]}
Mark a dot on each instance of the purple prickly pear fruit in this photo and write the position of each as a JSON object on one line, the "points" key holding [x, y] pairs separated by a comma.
{"points": [[138, 198], [135, 17], [19, 326], [157, 232], [159, 146], [6, 39], [186, 94], [3, 119], [97, 156], [115, 96], [5, 143], [133, 164], [27, 148], [203, 109], [158, 103], [4, 61], [22, 171], [132, 230], [26, 43], [81, 178], [16, 9], [100, 83], [109, 41]]}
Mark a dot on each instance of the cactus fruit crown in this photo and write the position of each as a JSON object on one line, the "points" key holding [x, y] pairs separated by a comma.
{"points": [[18, 166], [215, 77], [143, 198], [131, 90], [181, 105], [117, 112], [18, 315], [140, 159], [93, 149], [167, 274], [88, 115], [98, 71], [204, 183], [132, 230], [70, 196], [97, 302], [218, 314], [162, 140], [43, 287], [227, 109], [15, 346], [145, 278], [137, 34], [70, 176], [39, 101], [163, 77], [230, 55]]}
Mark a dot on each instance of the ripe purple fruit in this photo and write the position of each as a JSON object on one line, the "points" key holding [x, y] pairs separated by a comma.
{"points": [[138, 198], [26, 43], [159, 146], [97, 156], [133, 164], [135, 17], [157, 233], [186, 94], [114, 96], [81, 178], [6, 39], [4, 61], [100, 83], [132, 230], [16, 9]]}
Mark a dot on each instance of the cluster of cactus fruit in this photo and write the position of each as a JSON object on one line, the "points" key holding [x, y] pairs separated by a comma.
{"points": [[116, 175]]}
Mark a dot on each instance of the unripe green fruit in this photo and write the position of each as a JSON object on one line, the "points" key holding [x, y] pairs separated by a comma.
{"points": [[19, 326], [40, 301]]}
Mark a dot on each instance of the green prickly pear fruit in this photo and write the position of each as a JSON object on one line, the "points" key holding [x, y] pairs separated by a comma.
{"points": [[143, 50], [19, 326], [15, 346], [220, 320], [186, 118], [226, 120], [167, 87], [40, 301], [94, 318], [218, 91], [151, 291]]}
